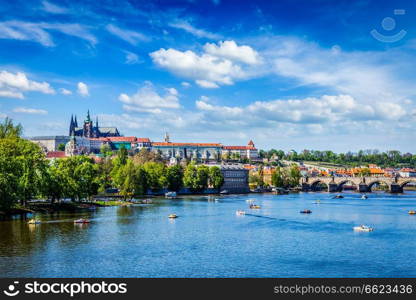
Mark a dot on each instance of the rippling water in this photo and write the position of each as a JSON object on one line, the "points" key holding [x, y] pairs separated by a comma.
{"points": [[209, 240]]}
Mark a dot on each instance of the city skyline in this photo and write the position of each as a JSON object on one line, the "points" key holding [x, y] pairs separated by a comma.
{"points": [[294, 77]]}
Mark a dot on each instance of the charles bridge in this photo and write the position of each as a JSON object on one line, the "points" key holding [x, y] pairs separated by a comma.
{"points": [[364, 184]]}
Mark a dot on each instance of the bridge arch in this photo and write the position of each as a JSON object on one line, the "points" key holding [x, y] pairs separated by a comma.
{"points": [[343, 182], [317, 185], [377, 182], [404, 183]]}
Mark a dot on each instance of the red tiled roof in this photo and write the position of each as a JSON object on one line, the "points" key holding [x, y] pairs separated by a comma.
{"points": [[143, 140], [187, 144], [55, 154], [250, 143]]}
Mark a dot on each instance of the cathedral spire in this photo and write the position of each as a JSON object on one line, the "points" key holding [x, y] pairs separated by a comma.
{"points": [[96, 122], [75, 121], [88, 117], [71, 125]]}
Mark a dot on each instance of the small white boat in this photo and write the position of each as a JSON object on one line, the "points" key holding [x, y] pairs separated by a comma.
{"points": [[240, 212], [364, 197], [172, 216], [363, 228], [317, 202], [171, 195], [82, 221]]}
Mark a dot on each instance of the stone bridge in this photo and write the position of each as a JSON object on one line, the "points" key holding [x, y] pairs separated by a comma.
{"points": [[364, 184]]}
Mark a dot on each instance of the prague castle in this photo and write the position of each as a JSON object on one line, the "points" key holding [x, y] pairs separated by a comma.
{"points": [[88, 130]]}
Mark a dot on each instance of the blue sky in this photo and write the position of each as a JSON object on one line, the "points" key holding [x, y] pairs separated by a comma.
{"points": [[287, 74]]}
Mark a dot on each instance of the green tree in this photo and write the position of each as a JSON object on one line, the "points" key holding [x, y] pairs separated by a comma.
{"points": [[9, 130], [278, 178], [294, 175], [122, 155], [174, 177], [216, 179], [190, 175], [106, 151], [156, 175], [202, 175]]}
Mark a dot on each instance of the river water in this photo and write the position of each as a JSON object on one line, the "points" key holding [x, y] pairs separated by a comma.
{"points": [[208, 239]]}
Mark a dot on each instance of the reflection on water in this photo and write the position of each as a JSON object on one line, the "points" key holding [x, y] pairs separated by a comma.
{"points": [[209, 240]]}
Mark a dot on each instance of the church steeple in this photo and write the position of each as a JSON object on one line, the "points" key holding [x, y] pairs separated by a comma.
{"points": [[88, 117], [71, 126], [75, 121], [96, 122]]}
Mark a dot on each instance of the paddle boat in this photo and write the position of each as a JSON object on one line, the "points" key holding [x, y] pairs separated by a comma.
{"points": [[172, 216], [171, 195], [33, 222], [338, 197], [363, 228], [306, 211], [240, 212], [412, 212], [254, 206], [82, 221], [364, 197]]}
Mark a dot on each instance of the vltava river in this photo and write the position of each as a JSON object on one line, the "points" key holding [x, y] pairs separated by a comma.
{"points": [[210, 240]]}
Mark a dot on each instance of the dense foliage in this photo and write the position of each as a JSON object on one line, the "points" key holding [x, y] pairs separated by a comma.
{"points": [[391, 158]]}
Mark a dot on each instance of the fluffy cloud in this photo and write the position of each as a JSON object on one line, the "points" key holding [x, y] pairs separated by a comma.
{"points": [[38, 32], [147, 99], [230, 50], [129, 36], [14, 85], [33, 111], [82, 89], [217, 66]]}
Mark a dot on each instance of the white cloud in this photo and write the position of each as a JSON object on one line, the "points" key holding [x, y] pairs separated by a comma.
{"points": [[33, 111], [38, 32], [185, 84], [330, 110], [186, 26], [207, 84], [65, 91], [53, 8], [14, 85], [129, 36], [230, 50], [147, 99], [82, 89], [131, 58], [209, 70]]}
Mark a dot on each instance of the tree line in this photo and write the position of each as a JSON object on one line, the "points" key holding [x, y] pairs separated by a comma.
{"points": [[391, 158], [26, 174]]}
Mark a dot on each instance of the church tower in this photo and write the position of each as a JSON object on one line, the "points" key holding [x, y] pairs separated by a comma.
{"points": [[72, 126], [88, 131]]}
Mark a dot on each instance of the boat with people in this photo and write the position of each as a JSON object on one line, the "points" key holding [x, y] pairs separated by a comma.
{"points": [[240, 212], [364, 197], [255, 206], [338, 196], [363, 228], [33, 222], [82, 221], [172, 216], [170, 195], [412, 212], [306, 211]]}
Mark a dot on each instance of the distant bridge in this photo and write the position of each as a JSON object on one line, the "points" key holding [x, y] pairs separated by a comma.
{"points": [[364, 184]]}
